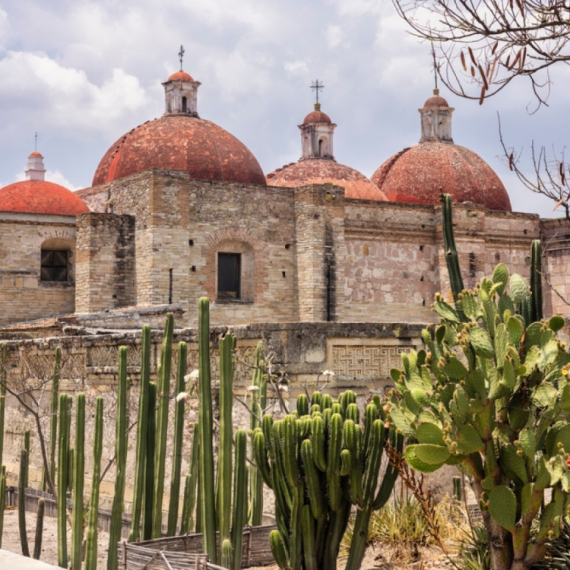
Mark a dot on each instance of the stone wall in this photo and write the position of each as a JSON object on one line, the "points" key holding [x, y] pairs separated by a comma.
{"points": [[23, 296], [555, 265], [360, 355]]}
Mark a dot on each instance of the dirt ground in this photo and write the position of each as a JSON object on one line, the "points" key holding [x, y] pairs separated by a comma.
{"points": [[376, 557]]}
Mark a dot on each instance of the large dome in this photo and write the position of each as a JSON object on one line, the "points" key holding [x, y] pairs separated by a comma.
{"points": [[321, 171], [422, 173], [40, 197], [180, 142]]}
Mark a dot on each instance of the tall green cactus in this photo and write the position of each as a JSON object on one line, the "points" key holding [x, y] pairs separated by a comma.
{"points": [[163, 397], [148, 503], [536, 281], [121, 441], [187, 524], [317, 470], [205, 418], [3, 379], [22, 503], [2, 500], [257, 405], [178, 440], [142, 427], [224, 499], [92, 527], [78, 484], [451, 257], [239, 512], [39, 529], [493, 395], [27, 437], [64, 405]]}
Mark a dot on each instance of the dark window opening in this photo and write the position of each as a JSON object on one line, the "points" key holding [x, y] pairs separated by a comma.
{"points": [[321, 147], [229, 275], [184, 105], [54, 265]]}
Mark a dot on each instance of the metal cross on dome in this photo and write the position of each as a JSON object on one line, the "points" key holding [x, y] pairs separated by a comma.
{"points": [[181, 55], [316, 86]]}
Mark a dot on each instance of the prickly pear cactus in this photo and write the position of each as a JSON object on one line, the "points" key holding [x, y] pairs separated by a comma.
{"points": [[491, 394], [319, 465]]}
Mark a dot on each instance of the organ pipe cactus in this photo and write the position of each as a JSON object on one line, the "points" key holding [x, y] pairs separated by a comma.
{"points": [[64, 404], [92, 530], [3, 378], [39, 529], [163, 396], [206, 432], [121, 440], [22, 503], [491, 394], [317, 468], [149, 467], [78, 480], [239, 512], [451, 257], [187, 524], [178, 437], [27, 448], [2, 499], [142, 427]]}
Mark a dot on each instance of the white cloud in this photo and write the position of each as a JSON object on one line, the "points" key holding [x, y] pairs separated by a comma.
{"points": [[334, 36], [4, 28], [297, 68]]}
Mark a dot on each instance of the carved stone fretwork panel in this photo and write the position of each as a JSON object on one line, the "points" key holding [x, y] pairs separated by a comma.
{"points": [[40, 366], [365, 358], [107, 356]]}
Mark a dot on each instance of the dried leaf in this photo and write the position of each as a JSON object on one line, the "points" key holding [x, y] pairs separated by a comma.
{"points": [[482, 98], [563, 179], [485, 84], [523, 59], [472, 55], [511, 161], [495, 48], [491, 76], [516, 59], [559, 203], [463, 61], [519, 4], [508, 59], [561, 168]]}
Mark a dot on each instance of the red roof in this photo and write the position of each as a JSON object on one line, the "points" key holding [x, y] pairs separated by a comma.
{"points": [[180, 142], [35, 153], [321, 171], [40, 197], [421, 173], [181, 75], [436, 101], [317, 117]]}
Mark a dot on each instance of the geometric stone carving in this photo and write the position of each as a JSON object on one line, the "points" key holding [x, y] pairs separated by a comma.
{"points": [[366, 361]]}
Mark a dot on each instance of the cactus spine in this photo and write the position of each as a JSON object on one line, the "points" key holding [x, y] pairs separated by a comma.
{"points": [[22, 503], [92, 531], [142, 426], [78, 480], [163, 396], [178, 437], [224, 498], [149, 470], [39, 529], [121, 460], [206, 435], [317, 468], [62, 473]]}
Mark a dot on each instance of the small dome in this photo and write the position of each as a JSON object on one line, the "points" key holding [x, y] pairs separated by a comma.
{"points": [[180, 142], [436, 100], [36, 154], [317, 117], [40, 197], [421, 173], [322, 171], [181, 75]]}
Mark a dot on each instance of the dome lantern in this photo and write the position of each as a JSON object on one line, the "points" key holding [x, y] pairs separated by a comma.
{"points": [[317, 135], [181, 94], [436, 119], [35, 167]]}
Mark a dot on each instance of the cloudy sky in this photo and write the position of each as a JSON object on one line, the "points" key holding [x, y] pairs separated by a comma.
{"points": [[81, 73]]}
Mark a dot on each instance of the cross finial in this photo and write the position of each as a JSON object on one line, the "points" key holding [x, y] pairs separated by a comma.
{"points": [[316, 86], [36, 142], [181, 56], [434, 65]]}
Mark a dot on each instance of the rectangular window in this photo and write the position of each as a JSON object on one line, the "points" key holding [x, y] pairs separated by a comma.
{"points": [[229, 275], [54, 265]]}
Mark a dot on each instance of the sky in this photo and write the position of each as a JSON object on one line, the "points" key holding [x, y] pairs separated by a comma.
{"points": [[82, 73]]}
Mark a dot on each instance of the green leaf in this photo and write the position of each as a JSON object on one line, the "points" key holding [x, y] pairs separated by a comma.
{"points": [[556, 323], [509, 376], [430, 433], [501, 343], [544, 395], [503, 506], [481, 342], [528, 443], [415, 463], [505, 304], [543, 475], [432, 454], [533, 335], [470, 306], [469, 440], [516, 329], [555, 466], [455, 368], [513, 465], [395, 374], [526, 499], [519, 288], [533, 358], [401, 422]]}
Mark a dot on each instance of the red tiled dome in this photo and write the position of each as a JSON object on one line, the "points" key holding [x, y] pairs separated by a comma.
{"points": [[36, 153], [181, 75], [421, 173], [317, 117], [321, 171], [436, 101], [40, 197], [180, 142]]}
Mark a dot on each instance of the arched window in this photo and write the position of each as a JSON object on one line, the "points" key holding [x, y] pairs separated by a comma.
{"points": [[321, 147], [184, 105]]}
